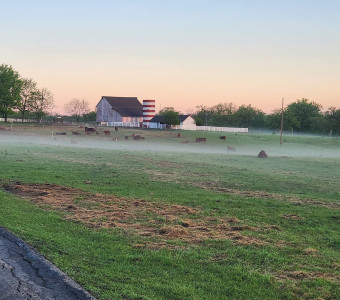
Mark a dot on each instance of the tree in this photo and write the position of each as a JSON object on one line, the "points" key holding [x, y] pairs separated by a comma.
{"points": [[223, 114], [332, 117], [290, 121], [89, 117], [246, 115], [43, 101], [171, 117], [77, 108], [306, 113], [28, 93], [203, 116], [10, 87]]}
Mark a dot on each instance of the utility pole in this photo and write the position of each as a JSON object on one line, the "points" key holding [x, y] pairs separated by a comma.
{"points": [[281, 123]]}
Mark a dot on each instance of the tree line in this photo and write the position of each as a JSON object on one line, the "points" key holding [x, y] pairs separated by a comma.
{"points": [[22, 95], [21, 98], [301, 116]]}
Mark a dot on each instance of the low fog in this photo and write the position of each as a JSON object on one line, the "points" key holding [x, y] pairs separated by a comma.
{"points": [[162, 145]]}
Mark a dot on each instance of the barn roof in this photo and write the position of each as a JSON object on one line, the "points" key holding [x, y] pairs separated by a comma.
{"points": [[126, 106], [160, 118]]}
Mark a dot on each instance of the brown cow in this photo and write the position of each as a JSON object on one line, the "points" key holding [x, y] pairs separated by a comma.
{"points": [[89, 130], [138, 137], [223, 137], [107, 132]]}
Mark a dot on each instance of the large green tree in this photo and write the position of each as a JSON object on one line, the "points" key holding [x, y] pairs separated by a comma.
{"points": [[10, 88], [171, 117], [248, 116], [306, 113]]}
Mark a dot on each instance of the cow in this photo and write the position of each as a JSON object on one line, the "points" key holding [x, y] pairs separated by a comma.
{"points": [[201, 140], [116, 128], [76, 133], [223, 137], [89, 130], [107, 132], [231, 149], [138, 137], [178, 135]]}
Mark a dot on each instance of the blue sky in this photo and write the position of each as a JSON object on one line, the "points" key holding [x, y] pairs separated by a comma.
{"points": [[181, 53]]}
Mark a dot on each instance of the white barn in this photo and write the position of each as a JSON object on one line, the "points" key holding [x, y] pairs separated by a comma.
{"points": [[186, 122]]}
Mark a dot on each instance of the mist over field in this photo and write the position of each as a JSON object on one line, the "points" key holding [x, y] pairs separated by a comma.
{"points": [[293, 146]]}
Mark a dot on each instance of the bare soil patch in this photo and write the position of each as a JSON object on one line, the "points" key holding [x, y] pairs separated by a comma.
{"points": [[303, 275], [260, 194], [156, 221]]}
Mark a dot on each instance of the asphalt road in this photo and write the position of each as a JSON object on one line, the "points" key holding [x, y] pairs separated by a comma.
{"points": [[24, 274]]}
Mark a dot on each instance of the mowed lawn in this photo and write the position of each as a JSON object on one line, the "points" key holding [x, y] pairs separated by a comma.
{"points": [[168, 218]]}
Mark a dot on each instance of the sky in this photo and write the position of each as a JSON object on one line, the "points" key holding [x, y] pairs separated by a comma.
{"points": [[183, 53]]}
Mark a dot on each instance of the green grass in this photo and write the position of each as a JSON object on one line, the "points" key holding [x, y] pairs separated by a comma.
{"points": [[111, 264]]}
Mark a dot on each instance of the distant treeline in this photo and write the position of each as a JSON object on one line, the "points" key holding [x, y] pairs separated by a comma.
{"points": [[301, 116]]}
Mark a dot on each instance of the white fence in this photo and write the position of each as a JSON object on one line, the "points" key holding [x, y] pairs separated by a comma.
{"points": [[210, 128], [121, 124]]}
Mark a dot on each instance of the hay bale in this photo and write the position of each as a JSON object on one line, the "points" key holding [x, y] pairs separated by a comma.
{"points": [[262, 154]]}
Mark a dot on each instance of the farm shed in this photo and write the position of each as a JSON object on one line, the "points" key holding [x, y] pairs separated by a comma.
{"points": [[119, 111], [159, 123]]}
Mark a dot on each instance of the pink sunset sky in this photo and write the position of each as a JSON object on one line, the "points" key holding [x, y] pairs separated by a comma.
{"points": [[180, 53]]}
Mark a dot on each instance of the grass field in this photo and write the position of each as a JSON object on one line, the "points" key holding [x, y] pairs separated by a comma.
{"points": [[168, 218]]}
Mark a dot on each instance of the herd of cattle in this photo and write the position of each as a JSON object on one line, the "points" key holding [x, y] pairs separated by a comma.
{"points": [[137, 137]]}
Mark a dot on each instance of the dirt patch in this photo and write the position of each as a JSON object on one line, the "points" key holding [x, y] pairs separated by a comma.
{"points": [[157, 221], [291, 217], [260, 194], [302, 275]]}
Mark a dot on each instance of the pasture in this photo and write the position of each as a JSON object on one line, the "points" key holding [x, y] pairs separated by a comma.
{"points": [[164, 217]]}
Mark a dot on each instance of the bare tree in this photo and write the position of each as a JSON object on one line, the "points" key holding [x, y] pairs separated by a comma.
{"points": [[28, 93], [43, 101], [77, 108]]}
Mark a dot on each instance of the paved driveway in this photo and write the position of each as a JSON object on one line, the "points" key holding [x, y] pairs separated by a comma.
{"points": [[24, 274]]}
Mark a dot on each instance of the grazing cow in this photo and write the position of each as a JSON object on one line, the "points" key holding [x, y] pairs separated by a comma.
{"points": [[137, 137], [201, 140], [76, 133], [107, 132], [89, 130], [223, 137], [116, 128], [60, 133], [231, 149]]}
